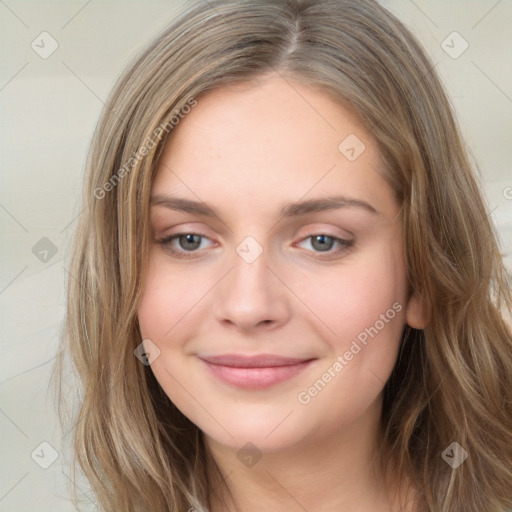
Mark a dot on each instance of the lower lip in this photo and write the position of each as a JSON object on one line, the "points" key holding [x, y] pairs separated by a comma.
{"points": [[256, 378]]}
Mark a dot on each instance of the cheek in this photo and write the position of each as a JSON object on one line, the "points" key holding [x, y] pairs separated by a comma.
{"points": [[354, 298], [156, 310], [169, 315], [168, 299], [365, 307]]}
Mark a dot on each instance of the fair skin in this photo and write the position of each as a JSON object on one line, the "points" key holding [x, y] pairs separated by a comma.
{"points": [[247, 151]]}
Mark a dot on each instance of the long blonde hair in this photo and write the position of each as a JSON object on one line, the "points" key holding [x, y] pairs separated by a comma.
{"points": [[452, 381]]}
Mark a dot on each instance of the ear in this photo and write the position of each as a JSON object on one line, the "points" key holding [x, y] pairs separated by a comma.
{"points": [[416, 312]]}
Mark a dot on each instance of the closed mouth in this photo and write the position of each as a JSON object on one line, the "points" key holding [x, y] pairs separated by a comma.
{"points": [[254, 371]]}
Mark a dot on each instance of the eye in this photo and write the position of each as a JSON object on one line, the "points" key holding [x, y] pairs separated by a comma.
{"points": [[323, 243], [188, 242]]}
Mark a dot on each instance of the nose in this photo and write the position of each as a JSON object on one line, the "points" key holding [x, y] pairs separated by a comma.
{"points": [[252, 296]]}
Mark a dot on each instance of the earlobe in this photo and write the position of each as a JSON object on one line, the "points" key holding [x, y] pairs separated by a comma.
{"points": [[417, 314]]}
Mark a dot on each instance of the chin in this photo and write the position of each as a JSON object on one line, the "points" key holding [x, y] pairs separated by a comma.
{"points": [[250, 439], [268, 432]]}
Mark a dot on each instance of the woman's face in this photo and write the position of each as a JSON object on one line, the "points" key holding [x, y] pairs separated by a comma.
{"points": [[276, 290]]}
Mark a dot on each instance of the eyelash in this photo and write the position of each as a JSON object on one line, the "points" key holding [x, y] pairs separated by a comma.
{"points": [[166, 243]]}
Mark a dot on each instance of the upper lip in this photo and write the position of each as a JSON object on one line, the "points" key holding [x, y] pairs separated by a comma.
{"points": [[253, 361]]}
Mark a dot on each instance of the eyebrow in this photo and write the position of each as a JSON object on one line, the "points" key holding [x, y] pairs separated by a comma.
{"points": [[288, 210]]}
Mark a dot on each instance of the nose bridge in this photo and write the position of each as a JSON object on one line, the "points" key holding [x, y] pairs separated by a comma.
{"points": [[251, 271], [251, 294]]}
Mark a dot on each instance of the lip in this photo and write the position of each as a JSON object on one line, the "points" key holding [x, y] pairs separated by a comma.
{"points": [[254, 371]]}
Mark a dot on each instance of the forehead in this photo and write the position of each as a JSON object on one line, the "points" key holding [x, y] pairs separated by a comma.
{"points": [[269, 143]]}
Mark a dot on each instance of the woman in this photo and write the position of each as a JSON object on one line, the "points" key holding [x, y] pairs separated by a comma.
{"points": [[251, 371]]}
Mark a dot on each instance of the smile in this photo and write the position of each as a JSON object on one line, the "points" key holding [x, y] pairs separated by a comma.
{"points": [[254, 372]]}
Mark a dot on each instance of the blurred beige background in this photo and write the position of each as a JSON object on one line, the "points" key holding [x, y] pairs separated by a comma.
{"points": [[49, 105]]}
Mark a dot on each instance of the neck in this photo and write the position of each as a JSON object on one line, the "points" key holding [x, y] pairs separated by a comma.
{"points": [[334, 470]]}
